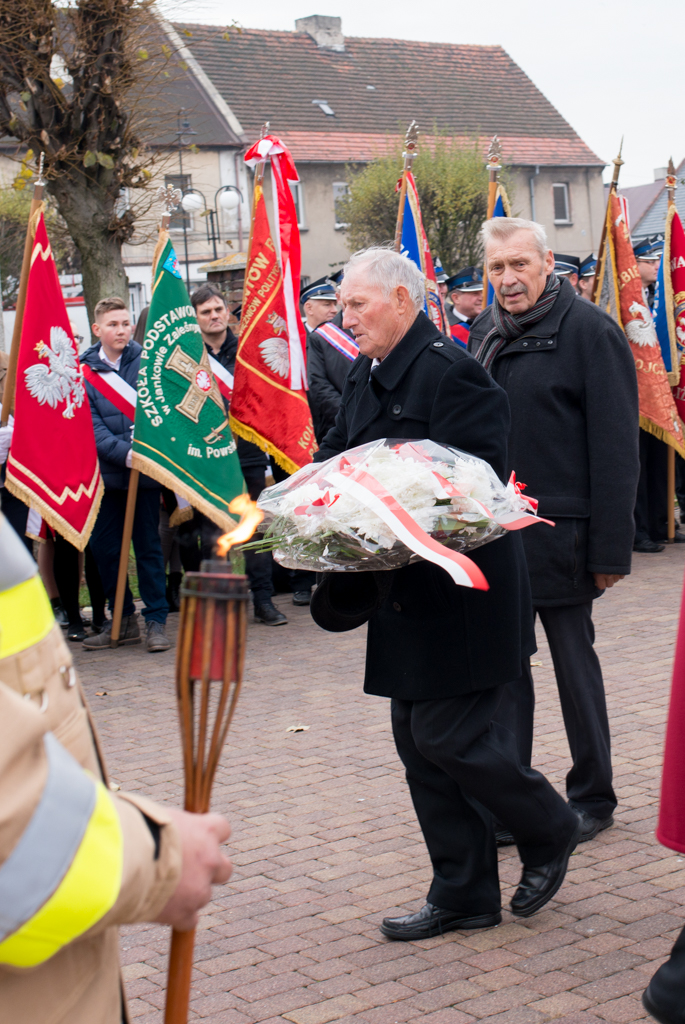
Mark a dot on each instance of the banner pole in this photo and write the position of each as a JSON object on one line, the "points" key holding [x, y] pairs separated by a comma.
{"points": [[410, 143], [671, 185], [601, 255], [123, 557], [11, 379], [494, 166]]}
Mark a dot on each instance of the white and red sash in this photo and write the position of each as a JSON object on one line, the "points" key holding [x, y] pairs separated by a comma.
{"points": [[339, 340], [123, 396]]}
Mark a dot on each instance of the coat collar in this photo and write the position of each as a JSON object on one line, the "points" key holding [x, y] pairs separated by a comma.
{"points": [[92, 357], [393, 368], [550, 324]]}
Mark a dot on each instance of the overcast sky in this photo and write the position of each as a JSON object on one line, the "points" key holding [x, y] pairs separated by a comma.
{"points": [[611, 68]]}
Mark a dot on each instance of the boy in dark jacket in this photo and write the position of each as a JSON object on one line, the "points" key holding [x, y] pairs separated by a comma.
{"points": [[115, 353]]}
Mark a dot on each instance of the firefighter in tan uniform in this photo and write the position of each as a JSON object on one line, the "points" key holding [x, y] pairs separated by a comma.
{"points": [[76, 861]]}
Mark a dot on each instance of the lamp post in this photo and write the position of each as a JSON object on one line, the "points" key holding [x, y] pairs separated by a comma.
{"points": [[228, 197], [184, 134]]}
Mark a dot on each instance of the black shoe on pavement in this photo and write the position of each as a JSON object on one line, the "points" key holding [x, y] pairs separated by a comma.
{"points": [[432, 920], [592, 826], [302, 597], [129, 633], [267, 613], [672, 1015], [648, 547], [156, 639], [76, 632], [503, 836], [58, 608], [538, 885]]}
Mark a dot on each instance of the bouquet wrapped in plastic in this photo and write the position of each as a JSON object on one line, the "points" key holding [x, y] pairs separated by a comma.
{"points": [[388, 503]]}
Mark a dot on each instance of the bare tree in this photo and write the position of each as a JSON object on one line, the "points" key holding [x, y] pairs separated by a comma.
{"points": [[71, 79]]}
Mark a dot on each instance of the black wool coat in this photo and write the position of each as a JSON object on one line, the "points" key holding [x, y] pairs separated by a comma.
{"points": [[326, 372], [431, 639], [573, 441]]}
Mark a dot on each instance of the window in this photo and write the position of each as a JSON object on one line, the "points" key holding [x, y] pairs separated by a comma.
{"points": [[340, 192], [179, 218], [562, 208], [298, 196]]}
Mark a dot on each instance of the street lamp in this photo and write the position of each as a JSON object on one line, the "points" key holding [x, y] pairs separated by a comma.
{"points": [[184, 136], [228, 197]]}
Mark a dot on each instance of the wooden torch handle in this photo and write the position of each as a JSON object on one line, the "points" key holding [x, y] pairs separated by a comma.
{"points": [[180, 971]]}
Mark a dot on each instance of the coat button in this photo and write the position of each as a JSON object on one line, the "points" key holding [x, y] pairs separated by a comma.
{"points": [[525, 344], [397, 606], [537, 344], [396, 410], [438, 344], [550, 342]]}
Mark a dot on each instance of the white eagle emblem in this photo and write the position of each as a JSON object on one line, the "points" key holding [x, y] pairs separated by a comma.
{"points": [[276, 355], [62, 379], [277, 322], [641, 330]]}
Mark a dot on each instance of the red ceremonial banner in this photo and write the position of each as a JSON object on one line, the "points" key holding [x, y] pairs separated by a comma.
{"points": [[53, 464], [674, 282], [671, 828], [263, 408], [621, 294]]}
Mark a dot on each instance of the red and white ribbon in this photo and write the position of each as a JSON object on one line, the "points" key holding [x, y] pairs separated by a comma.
{"points": [[114, 388], [367, 490]]}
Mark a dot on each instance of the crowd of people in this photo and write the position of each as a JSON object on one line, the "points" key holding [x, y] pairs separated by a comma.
{"points": [[541, 382]]}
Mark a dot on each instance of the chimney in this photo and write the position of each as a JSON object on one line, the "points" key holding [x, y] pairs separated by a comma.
{"points": [[660, 173], [326, 32]]}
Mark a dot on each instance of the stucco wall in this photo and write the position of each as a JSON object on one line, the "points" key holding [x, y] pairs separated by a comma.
{"points": [[586, 195]]}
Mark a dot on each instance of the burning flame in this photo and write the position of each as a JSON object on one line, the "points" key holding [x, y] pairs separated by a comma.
{"points": [[250, 518]]}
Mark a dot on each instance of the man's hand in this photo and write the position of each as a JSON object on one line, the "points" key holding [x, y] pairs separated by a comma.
{"points": [[203, 865], [604, 580]]}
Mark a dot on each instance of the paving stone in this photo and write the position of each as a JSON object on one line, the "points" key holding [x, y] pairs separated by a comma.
{"points": [[325, 841]]}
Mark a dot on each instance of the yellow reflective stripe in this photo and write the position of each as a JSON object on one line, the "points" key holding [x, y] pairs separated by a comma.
{"points": [[87, 892], [26, 616]]}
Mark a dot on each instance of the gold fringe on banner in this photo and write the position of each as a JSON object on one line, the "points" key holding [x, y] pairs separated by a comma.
{"points": [[249, 434]]}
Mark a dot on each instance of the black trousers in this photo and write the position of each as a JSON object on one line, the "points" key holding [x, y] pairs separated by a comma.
{"points": [[571, 635], [463, 769], [301, 580], [68, 579], [651, 503], [16, 513]]}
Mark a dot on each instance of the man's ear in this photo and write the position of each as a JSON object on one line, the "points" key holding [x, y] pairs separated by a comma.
{"points": [[549, 263], [95, 328], [403, 300]]}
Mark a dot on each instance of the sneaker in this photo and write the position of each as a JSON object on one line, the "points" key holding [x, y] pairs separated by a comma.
{"points": [[269, 614], [157, 640], [302, 597], [129, 633]]}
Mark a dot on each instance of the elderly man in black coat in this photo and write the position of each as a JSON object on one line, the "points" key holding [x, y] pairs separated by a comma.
{"points": [[444, 654], [570, 378]]}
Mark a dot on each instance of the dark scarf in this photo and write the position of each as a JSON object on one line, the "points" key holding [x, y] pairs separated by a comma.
{"points": [[508, 327]]}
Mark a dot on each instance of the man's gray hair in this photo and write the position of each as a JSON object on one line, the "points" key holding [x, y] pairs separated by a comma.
{"points": [[386, 269], [500, 229]]}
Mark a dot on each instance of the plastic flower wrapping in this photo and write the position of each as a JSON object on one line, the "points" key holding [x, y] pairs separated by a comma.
{"points": [[388, 503]]}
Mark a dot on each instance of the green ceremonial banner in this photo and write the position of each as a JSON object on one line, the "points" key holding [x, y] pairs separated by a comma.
{"points": [[181, 436]]}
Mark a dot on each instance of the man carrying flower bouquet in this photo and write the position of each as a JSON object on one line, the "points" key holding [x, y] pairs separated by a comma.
{"points": [[444, 654]]}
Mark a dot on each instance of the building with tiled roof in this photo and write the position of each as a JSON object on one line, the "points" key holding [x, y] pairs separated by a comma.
{"points": [[648, 204], [337, 101]]}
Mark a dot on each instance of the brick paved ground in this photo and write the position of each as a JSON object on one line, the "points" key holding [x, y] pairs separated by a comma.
{"points": [[325, 841]]}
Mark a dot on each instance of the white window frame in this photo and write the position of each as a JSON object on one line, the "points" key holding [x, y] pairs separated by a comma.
{"points": [[297, 189], [344, 189], [567, 194]]}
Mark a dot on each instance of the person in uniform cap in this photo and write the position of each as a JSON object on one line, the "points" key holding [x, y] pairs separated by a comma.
{"points": [[651, 504], [441, 278], [76, 859], [466, 295], [331, 350], [567, 266], [319, 303], [586, 277]]}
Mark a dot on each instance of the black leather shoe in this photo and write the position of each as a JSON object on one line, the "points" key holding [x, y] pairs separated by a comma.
{"points": [[302, 597], [269, 614], [538, 885], [665, 1015], [76, 632], [503, 836], [648, 547], [592, 826], [432, 920]]}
